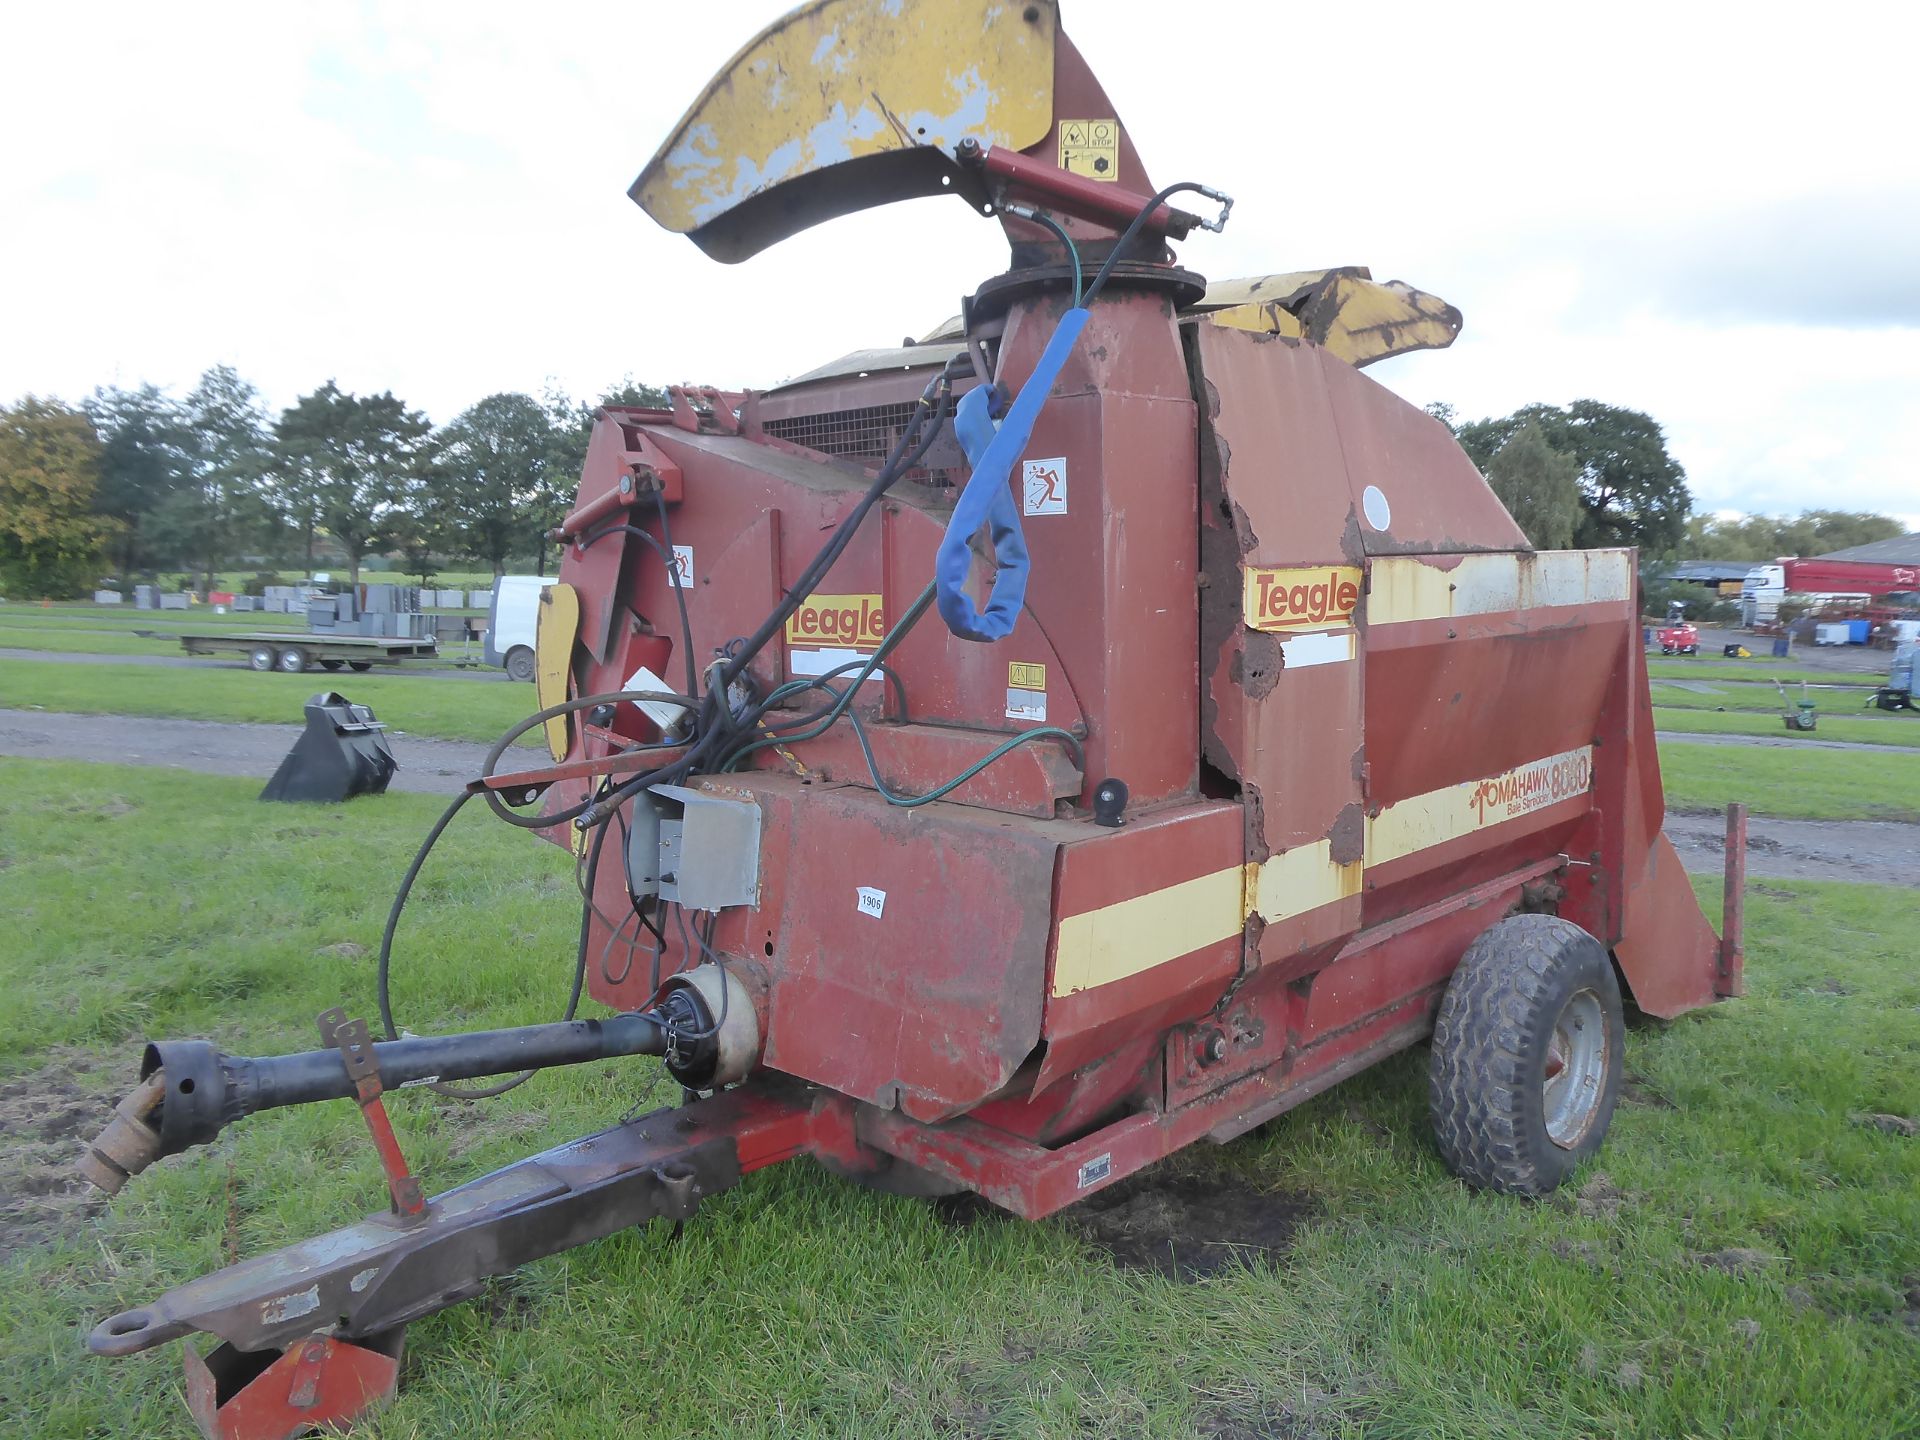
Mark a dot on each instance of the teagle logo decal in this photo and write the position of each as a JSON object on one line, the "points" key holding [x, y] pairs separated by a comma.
{"points": [[1300, 599], [844, 620]]}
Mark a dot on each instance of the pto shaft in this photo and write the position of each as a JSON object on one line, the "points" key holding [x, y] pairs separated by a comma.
{"points": [[190, 1090]]}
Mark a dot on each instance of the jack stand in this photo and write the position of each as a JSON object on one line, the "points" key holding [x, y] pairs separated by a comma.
{"points": [[278, 1394]]}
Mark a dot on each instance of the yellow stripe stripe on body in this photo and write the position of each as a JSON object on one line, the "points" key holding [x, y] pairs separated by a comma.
{"points": [[1101, 946], [1401, 588]]}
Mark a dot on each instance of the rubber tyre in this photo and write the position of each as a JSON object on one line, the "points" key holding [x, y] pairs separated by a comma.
{"points": [[261, 657], [290, 661], [1491, 1042], [520, 664], [360, 667], [331, 664]]}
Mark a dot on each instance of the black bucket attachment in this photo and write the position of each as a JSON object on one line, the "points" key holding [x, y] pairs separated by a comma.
{"points": [[344, 753]]}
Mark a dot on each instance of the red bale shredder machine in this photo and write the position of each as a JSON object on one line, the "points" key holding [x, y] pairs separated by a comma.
{"points": [[996, 763]]}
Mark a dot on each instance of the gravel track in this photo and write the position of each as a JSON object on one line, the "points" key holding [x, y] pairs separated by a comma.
{"points": [[1879, 851]]}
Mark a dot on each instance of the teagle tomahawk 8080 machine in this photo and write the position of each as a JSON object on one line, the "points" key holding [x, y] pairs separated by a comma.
{"points": [[998, 762]]}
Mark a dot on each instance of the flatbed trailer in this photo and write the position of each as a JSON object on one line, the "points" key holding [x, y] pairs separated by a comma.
{"points": [[293, 652]]}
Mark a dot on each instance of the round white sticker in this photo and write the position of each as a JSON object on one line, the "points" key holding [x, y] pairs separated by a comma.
{"points": [[1374, 504]]}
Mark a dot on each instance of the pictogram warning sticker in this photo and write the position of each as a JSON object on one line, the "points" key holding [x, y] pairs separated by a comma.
{"points": [[1043, 486], [1090, 148], [1026, 676]]}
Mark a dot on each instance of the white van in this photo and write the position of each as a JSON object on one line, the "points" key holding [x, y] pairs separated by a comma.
{"points": [[512, 621]]}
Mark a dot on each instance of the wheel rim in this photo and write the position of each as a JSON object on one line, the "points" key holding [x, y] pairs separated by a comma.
{"points": [[1575, 1075]]}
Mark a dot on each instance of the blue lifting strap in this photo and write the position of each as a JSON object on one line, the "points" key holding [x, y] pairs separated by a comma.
{"points": [[986, 500]]}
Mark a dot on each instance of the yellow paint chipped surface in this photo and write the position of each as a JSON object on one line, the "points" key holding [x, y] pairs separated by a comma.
{"points": [[839, 80], [559, 623]]}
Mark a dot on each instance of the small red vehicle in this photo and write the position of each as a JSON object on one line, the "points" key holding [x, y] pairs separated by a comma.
{"points": [[1681, 639]]}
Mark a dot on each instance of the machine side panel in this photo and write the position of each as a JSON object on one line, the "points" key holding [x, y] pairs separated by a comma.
{"points": [[1283, 659], [1149, 933], [909, 946]]}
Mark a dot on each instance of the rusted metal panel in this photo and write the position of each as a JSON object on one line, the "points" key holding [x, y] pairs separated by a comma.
{"points": [[1667, 951], [1158, 938], [1283, 556], [927, 996], [1114, 575]]}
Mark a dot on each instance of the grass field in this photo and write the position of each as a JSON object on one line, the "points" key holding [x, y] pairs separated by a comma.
{"points": [[1876, 727], [446, 709], [1764, 671], [1743, 1259], [1758, 695], [1794, 784]]}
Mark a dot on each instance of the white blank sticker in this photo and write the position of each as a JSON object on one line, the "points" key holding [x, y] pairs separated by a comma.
{"points": [[1301, 651], [872, 902]]}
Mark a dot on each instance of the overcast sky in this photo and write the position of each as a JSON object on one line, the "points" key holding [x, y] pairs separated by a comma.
{"points": [[1708, 212]]}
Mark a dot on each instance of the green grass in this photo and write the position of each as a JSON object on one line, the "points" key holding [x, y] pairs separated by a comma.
{"points": [[1762, 668], [1795, 784], [1875, 727], [1763, 695], [446, 709], [801, 1305], [71, 640]]}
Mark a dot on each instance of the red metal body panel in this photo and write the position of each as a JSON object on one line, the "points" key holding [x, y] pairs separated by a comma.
{"points": [[1453, 737], [950, 1004]]}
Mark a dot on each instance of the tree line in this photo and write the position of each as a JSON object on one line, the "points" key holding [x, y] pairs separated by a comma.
{"points": [[134, 481], [1589, 475]]}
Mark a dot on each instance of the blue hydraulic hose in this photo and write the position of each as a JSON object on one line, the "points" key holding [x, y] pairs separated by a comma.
{"points": [[986, 500]]}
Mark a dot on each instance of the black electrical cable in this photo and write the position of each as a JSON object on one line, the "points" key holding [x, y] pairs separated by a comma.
{"points": [[1133, 229], [673, 579], [922, 603], [1040, 217], [540, 717], [383, 971], [930, 407]]}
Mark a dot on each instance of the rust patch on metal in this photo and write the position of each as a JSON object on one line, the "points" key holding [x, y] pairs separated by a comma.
{"points": [[1243, 530], [1348, 837], [1258, 665], [1353, 545], [1257, 847]]}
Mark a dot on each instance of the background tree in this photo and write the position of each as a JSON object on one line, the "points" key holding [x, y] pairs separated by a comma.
{"points": [[492, 479], [347, 464], [572, 429], [1763, 538], [1632, 492], [51, 538], [1537, 484], [142, 466], [225, 445]]}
